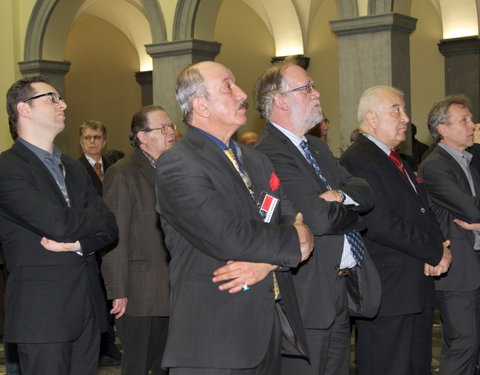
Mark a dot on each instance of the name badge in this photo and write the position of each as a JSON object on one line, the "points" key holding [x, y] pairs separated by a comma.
{"points": [[267, 206]]}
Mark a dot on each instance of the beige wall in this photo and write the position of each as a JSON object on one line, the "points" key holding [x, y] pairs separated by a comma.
{"points": [[427, 65], [101, 82], [247, 48], [322, 48]]}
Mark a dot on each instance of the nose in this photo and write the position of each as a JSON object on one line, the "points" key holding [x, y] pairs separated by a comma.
{"points": [[62, 105], [241, 94], [404, 117], [315, 93]]}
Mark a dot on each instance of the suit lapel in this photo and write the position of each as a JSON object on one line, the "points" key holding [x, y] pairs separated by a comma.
{"points": [[302, 162], [387, 164], [38, 168], [144, 167]]}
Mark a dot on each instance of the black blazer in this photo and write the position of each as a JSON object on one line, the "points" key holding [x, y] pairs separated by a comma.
{"points": [[209, 218], [97, 183], [314, 279], [46, 291], [402, 233], [452, 198]]}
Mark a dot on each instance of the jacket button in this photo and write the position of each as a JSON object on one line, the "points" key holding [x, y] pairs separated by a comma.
{"points": [[422, 210]]}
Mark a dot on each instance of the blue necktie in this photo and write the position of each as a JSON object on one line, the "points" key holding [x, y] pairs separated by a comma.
{"points": [[354, 238]]}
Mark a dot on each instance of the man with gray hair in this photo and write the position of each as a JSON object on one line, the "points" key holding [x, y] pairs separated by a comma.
{"points": [[228, 227], [403, 239], [330, 199], [454, 187]]}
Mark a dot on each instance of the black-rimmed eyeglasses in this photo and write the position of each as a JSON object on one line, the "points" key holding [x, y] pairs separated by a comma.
{"points": [[53, 96], [163, 129], [308, 88]]}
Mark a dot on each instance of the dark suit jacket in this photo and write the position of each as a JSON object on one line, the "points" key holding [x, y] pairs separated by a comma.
{"points": [[97, 183], [314, 279], [452, 198], [402, 233], [209, 218], [47, 291], [137, 267]]}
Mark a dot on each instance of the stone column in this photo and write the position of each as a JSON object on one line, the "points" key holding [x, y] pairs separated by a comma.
{"points": [[373, 50], [169, 59], [144, 79], [55, 71], [462, 69]]}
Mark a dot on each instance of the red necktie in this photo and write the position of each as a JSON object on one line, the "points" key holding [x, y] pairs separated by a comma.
{"points": [[396, 159], [98, 169]]}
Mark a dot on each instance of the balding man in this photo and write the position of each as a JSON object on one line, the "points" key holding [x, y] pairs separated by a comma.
{"points": [[219, 202], [403, 239]]}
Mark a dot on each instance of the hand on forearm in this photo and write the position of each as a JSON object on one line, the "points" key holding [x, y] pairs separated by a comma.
{"points": [[331, 196], [237, 273], [305, 237], [55, 246], [467, 226]]}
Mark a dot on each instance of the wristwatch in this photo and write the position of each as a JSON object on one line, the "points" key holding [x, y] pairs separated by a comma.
{"points": [[342, 194]]}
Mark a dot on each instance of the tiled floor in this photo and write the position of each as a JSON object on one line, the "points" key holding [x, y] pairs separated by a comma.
{"points": [[436, 356]]}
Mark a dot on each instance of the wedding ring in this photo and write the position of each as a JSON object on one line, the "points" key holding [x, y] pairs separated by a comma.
{"points": [[245, 287]]}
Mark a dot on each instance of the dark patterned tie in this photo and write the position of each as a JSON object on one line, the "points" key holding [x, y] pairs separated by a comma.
{"points": [[354, 238]]}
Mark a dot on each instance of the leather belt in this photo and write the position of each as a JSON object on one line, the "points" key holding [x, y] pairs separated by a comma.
{"points": [[343, 273]]}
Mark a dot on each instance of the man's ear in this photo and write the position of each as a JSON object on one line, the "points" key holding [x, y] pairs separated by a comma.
{"points": [[371, 118], [280, 102], [200, 106], [141, 136], [24, 110], [442, 129]]}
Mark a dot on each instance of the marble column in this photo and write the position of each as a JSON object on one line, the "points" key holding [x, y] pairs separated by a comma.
{"points": [[169, 59], [462, 69], [373, 50], [55, 71]]}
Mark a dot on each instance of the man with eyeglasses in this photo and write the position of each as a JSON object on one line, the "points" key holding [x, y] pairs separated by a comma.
{"points": [[51, 223], [331, 200], [93, 135], [136, 270]]}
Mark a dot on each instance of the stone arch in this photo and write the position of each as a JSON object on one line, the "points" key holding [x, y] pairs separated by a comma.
{"points": [[193, 19], [43, 22]]}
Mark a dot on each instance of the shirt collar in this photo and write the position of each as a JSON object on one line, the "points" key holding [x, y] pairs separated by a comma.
{"points": [[217, 141], [41, 153], [379, 143], [296, 140], [461, 157], [92, 161]]}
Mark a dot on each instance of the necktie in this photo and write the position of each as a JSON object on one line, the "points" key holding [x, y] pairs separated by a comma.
{"points": [[396, 159], [355, 240], [246, 180], [98, 170]]}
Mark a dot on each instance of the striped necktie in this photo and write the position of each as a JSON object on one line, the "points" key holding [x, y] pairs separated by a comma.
{"points": [[355, 240]]}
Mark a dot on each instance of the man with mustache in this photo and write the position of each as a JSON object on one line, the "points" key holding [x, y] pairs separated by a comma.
{"points": [[330, 200], [232, 237], [454, 186], [136, 270], [403, 239]]}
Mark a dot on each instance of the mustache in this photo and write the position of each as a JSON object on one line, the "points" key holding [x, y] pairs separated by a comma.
{"points": [[242, 105]]}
